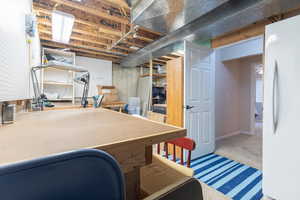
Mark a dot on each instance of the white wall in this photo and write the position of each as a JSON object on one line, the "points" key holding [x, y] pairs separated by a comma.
{"points": [[15, 51], [100, 72], [227, 97], [259, 90], [233, 86], [245, 116], [233, 95]]}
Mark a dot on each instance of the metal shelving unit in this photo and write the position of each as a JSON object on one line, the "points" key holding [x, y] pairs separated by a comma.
{"points": [[61, 81]]}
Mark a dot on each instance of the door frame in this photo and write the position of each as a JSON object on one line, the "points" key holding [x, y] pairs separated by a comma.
{"points": [[253, 99]]}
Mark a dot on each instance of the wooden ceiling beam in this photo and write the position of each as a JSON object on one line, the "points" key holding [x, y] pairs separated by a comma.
{"points": [[96, 56], [85, 39], [175, 55], [96, 26], [47, 22], [159, 61], [81, 45], [132, 43], [163, 59], [156, 62], [123, 48], [117, 3], [114, 33], [92, 11], [78, 50], [89, 40], [76, 37], [150, 31], [168, 57]]}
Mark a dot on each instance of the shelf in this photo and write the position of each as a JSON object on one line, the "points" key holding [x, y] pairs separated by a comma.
{"points": [[56, 69], [57, 83], [63, 99], [59, 52], [155, 75]]}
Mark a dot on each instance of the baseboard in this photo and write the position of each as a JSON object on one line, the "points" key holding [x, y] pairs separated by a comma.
{"points": [[228, 135], [246, 132]]}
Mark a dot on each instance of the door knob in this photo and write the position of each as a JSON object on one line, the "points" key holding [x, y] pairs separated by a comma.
{"points": [[189, 107]]}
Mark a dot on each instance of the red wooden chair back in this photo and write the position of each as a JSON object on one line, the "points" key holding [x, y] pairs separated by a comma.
{"points": [[183, 143]]}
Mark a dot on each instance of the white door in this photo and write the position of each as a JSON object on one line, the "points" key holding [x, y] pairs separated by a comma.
{"points": [[199, 98], [281, 132]]}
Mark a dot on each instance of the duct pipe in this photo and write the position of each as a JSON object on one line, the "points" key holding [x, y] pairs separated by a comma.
{"points": [[227, 17]]}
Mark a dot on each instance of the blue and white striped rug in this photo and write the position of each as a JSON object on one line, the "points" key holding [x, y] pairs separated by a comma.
{"points": [[235, 180]]}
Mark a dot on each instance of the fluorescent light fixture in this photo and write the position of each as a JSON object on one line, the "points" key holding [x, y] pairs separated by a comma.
{"points": [[135, 48], [62, 25]]}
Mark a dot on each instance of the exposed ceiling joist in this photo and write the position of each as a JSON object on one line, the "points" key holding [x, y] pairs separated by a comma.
{"points": [[93, 33], [92, 11], [95, 56], [168, 57], [82, 45], [120, 3], [98, 25], [98, 35], [79, 51]]}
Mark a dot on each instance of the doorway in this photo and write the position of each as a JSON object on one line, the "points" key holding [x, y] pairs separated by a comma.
{"points": [[239, 109], [259, 81]]}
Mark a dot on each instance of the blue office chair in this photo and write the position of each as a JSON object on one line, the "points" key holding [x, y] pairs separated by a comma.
{"points": [[78, 175]]}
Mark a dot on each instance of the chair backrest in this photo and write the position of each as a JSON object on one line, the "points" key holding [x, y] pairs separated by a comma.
{"points": [[184, 144], [84, 174]]}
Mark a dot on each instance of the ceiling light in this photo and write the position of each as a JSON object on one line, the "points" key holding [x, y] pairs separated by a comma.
{"points": [[135, 48], [62, 25]]}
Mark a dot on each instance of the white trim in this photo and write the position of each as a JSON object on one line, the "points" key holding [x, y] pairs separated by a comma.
{"points": [[246, 132], [228, 135], [253, 98], [233, 134]]}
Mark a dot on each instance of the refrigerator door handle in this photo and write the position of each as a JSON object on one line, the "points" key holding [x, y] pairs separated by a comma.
{"points": [[275, 98]]}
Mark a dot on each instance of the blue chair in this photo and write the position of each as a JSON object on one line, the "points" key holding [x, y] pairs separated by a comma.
{"points": [[79, 175]]}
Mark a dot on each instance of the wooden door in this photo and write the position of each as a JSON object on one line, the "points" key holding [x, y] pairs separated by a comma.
{"points": [[175, 92], [175, 96]]}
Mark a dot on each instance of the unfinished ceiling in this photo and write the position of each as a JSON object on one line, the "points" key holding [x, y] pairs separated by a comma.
{"points": [[102, 28]]}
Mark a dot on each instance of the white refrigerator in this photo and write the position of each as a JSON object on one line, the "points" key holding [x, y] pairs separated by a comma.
{"points": [[281, 131]]}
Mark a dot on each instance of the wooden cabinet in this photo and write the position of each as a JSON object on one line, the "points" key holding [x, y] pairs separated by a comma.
{"points": [[175, 91]]}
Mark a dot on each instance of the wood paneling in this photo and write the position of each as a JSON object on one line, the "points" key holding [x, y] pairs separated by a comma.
{"points": [[239, 35], [253, 30], [175, 91]]}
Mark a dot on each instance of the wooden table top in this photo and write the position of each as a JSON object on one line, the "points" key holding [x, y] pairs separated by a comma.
{"points": [[39, 134]]}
